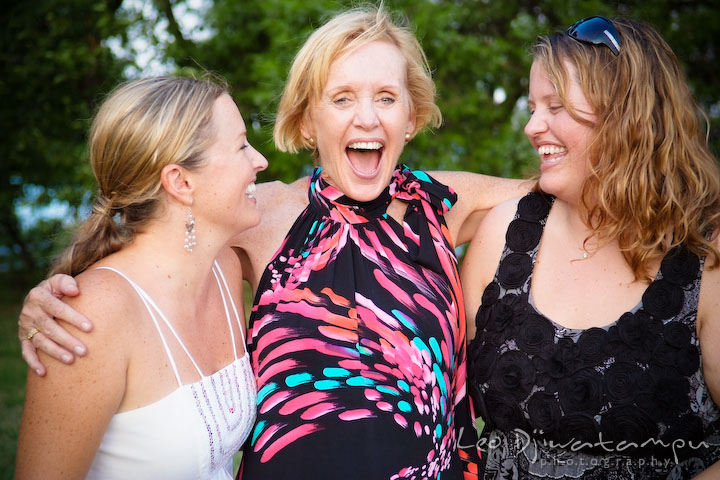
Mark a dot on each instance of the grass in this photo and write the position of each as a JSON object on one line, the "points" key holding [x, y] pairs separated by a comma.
{"points": [[12, 388]]}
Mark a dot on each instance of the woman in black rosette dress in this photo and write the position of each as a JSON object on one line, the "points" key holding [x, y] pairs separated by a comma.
{"points": [[596, 297]]}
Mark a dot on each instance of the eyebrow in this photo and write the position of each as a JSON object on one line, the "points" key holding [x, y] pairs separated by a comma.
{"points": [[351, 86]]}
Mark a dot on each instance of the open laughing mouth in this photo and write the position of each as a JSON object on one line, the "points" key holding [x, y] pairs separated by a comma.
{"points": [[250, 190], [364, 157], [550, 154]]}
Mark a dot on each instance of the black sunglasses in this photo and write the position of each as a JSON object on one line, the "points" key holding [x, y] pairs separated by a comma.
{"points": [[598, 31]]}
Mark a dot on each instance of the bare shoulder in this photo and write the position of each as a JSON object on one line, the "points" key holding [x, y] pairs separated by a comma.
{"points": [[104, 293], [269, 193], [483, 255], [109, 301], [280, 204], [494, 224]]}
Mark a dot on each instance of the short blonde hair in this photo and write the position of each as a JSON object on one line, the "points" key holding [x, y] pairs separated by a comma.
{"points": [[344, 32], [651, 167], [141, 127]]}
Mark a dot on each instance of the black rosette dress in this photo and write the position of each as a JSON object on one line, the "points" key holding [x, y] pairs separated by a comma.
{"points": [[627, 400]]}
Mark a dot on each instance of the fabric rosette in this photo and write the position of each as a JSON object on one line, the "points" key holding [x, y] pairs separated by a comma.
{"points": [[534, 207], [680, 266], [514, 270], [582, 392], [522, 235], [663, 299], [513, 375]]}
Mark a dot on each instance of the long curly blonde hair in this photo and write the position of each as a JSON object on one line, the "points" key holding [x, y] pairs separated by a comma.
{"points": [[653, 183]]}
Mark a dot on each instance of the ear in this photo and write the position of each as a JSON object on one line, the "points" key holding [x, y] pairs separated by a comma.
{"points": [[307, 129], [411, 123], [177, 183]]}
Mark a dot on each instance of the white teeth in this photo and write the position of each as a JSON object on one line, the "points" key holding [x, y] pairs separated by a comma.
{"points": [[365, 145], [250, 190], [550, 150]]}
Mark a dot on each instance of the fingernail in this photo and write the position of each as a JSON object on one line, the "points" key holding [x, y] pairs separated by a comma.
{"points": [[39, 372], [86, 325], [80, 350], [66, 358]]}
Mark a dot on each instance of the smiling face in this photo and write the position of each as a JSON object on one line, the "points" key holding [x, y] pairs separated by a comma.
{"points": [[224, 197], [361, 118], [560, 140]]}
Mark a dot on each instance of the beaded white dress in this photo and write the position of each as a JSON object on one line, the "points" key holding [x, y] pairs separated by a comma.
{"points": [[193, 432]]}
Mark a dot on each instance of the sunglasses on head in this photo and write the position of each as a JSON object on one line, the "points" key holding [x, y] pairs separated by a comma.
{"points": [[598, 31]]}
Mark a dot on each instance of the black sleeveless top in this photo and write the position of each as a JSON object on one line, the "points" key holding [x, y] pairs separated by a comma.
{"points": [[627, 400], [357, 339]]}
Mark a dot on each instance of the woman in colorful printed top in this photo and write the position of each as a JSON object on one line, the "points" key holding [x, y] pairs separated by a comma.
{"points": [[168, 390], [358, 330], [597, 298]]}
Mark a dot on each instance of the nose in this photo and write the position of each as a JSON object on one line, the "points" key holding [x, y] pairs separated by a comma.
{"points": [[366, 114], [535, 125], [259, 161]]}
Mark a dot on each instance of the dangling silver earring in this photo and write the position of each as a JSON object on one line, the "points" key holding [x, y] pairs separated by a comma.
{"points": [[408, 137], [190, 231]]}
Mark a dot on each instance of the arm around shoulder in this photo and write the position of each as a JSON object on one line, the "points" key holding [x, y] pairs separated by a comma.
{"points": [[67, 412], [477, 195]]}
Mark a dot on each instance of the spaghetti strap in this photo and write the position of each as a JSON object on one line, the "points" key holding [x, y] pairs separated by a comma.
{"points": [[148, 300], [232, 304], [150, 305], [141, 293]]}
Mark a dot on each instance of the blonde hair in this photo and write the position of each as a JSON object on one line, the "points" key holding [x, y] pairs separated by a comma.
{"points": [[652, 173], [346, 31], [141, 127]]}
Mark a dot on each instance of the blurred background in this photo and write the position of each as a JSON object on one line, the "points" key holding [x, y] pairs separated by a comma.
{"points": [[59, 58]]}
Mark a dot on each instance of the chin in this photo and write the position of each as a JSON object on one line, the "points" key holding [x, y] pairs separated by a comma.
{"points": [[366, 193]]}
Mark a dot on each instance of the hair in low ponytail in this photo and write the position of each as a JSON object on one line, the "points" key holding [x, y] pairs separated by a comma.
{"points": [[141, 127]]}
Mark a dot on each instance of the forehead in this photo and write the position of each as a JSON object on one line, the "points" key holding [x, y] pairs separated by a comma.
{"points": [[226, 116], [561, 77], [374, 62]]}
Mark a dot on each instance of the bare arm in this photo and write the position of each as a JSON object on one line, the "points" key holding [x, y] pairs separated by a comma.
{"points": [[709, 334], [42, 305], [709, 328], [482, 258], [477, 194], [67, 412]]}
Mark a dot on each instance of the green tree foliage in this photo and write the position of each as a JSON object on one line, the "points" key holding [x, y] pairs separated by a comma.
{"points": [[54, 69], [479, 50]]}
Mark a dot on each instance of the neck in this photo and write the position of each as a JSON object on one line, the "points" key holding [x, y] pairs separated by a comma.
{"points": [[158, 256], [576, 230]]}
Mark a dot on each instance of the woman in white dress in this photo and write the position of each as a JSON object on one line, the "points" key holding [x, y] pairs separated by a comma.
{"points": [[167, 390]]}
